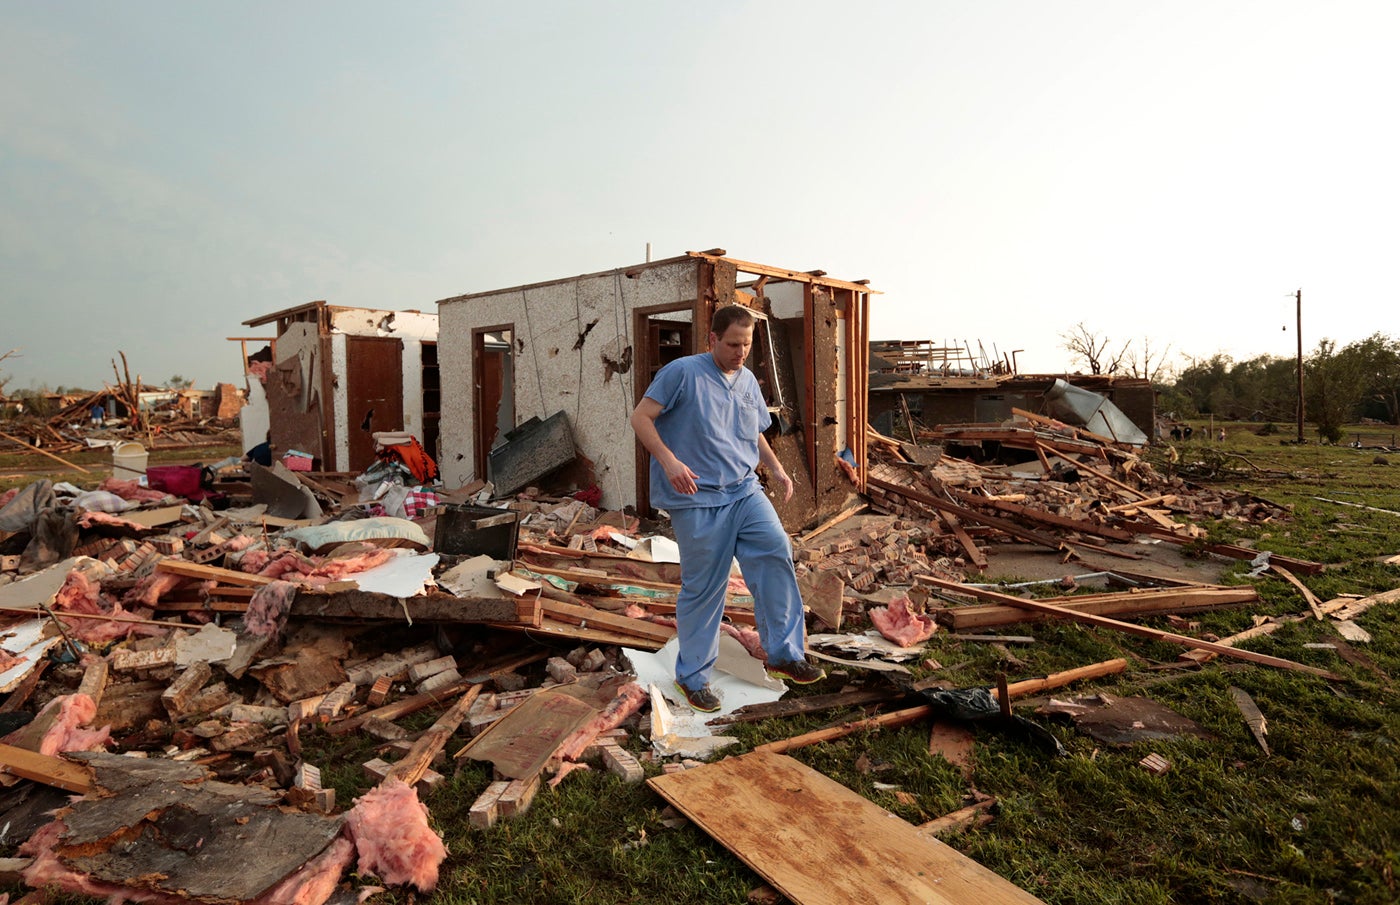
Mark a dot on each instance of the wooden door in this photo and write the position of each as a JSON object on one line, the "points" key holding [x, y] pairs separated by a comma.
{"points": [[374, 390]]}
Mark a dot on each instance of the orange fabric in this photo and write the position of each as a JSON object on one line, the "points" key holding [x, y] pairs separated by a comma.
{"points": [[414, 457]]}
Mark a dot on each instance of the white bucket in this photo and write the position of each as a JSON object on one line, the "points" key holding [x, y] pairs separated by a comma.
{"points": [[128, 461]]}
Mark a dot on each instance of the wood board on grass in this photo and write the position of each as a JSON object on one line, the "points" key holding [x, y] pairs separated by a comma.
{"points": [[818, 842]]}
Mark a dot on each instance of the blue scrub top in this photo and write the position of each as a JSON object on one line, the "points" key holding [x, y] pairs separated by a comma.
{"points": [[712, 427]]}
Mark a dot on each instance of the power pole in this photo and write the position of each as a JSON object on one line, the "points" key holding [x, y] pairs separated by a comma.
{"points": [[1299, 296]]}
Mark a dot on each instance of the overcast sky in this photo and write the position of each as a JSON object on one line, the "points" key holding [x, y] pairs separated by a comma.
{"points": [[1001, 171]]}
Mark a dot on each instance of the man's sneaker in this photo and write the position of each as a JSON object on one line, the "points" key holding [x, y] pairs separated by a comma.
{"points": [[702, 699], [798, 672]]}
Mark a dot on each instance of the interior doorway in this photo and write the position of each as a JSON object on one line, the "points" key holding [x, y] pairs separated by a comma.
{"points": [[493, 382]]}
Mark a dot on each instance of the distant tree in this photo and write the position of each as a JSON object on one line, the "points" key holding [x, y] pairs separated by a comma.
{"points": [[1087, 346], [6, 378], [1142, 361], [179, 383], [1334, 382], [36, 402], [1378, 356]]}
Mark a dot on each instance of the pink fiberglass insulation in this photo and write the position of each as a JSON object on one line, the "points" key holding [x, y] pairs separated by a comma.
{"points": [[629, 700], [565, 769], [131, 490], [238, 543], [67, 733], [254, 560], [286, 563], [314, 881], [900, 624], [391, 832], [89, 518], [268, 608], [80, 593], [153, 587], [747, 637], [333, 569]]}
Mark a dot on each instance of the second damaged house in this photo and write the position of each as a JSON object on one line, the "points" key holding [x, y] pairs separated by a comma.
{"points": [[534, 375], [332, 377]]}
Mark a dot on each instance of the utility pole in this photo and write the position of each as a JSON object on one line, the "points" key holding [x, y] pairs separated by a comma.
{"points": [[1299, 296]]}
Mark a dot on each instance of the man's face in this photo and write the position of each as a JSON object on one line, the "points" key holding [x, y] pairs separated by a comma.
{"points": [[732, 348]]}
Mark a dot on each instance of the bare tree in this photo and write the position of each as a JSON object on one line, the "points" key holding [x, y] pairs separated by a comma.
{"points": [[1086, 345], [6, 378], [1146, 363]]}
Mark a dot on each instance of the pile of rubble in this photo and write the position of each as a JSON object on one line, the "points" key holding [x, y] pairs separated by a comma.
{"points": [[206, 643]]}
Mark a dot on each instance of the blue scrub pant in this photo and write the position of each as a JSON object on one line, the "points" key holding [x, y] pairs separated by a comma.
{"points": [[710, 538]]}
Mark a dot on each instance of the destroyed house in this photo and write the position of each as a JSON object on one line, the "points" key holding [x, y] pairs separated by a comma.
{"points": [[942, 385], [334, 376], [540, 377]]}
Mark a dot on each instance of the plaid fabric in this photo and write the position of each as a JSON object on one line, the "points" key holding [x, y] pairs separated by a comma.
{"points": [[419, 502]]}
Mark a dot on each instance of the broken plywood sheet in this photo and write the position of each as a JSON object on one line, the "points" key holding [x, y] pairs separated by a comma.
{"points": [[836, 846], [180, 835], [520, 743]]}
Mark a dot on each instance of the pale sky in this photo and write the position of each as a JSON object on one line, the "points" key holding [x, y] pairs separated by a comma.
{"points": [[1001, 171]]}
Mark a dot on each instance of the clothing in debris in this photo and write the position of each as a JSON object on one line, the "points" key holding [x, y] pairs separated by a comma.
{"points": [[261, 454]]}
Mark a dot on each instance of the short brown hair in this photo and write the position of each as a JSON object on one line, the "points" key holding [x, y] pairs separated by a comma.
{"points": [[728, 316]]}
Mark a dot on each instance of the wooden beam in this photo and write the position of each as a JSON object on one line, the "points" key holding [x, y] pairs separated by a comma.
{"points": [[52, 771], [1139, 630], [44, 452]]}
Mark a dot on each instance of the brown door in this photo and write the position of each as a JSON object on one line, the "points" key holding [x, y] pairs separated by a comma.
{"points": [[666, 340], [374, 386]]}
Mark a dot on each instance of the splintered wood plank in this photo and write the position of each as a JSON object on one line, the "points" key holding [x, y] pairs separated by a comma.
{"points": [[53, 771], [818, 842], [522, 742]]}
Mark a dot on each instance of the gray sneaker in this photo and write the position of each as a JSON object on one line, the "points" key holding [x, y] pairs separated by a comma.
{"points": [[798, 672], [702, 699]]}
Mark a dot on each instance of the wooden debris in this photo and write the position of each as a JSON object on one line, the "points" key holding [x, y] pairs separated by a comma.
{"points": [[746, 802], [1253, 717], [1142, 631], [1155, 764]]}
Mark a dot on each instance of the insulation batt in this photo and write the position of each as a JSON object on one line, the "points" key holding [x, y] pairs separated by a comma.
{"points": [[629, 700], [900, 624], [153, 587], [743, 634], [268, 608], [314, 881], [67, 733], [238, 543], [391, 832], [131, 490], [81, 593], [91, 518]]}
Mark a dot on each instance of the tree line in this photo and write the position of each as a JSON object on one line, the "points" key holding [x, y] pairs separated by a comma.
{"points": [[1341, 385]]}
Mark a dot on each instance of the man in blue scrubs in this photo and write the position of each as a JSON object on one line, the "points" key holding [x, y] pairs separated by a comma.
{"points": [[702, 420]]}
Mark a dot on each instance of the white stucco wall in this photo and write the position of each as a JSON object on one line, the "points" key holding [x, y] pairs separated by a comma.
{"points": [[254, 419], [550, 375]]}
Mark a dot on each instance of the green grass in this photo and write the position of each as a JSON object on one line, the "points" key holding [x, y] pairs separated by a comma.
{"points": [[1316, 821]]}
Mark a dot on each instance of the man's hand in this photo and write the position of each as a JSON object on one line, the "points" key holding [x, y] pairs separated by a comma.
{"points": [[682, 478], [786, 480]]}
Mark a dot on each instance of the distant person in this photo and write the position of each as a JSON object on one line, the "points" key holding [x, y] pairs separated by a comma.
{"points": [[98, 413], [1220, 437], [1176, 434], [1186, 433]]}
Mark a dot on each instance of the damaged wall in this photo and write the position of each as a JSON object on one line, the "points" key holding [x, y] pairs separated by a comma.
{"points": [[310, 395], [572, 350], [577, 346]]}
